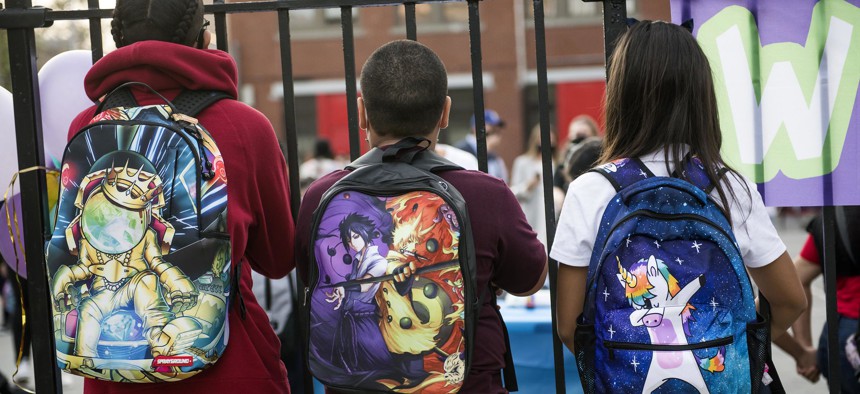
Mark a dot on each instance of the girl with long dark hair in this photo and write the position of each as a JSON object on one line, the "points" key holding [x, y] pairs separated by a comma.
{"points": [[661, 108]]}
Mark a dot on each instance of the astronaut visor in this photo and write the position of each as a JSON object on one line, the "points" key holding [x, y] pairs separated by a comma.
{"points": [[110, 228]]}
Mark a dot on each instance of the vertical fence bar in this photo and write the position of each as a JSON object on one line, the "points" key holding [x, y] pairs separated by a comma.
{"points": [[411, 25], [28, 126], [833, 363], [289, 108], [293, 168], [96, 32], [614, 23], [478, 82], [549, 200], [349, 77], [221, 28]]}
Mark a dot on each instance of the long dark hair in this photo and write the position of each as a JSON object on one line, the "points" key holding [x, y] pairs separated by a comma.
{"points": [[176, 21], [660, 95]]}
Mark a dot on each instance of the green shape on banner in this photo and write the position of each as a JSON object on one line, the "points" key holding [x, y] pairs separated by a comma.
{"points": [[802, 122]]}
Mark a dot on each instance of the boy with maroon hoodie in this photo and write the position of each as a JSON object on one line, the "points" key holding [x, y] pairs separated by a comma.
{"points": [[159, 43], [405, 94]]}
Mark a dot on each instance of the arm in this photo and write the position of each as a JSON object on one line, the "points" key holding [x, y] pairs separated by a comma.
{"points": [[570, 297], [799, 344], [521, 265], [683, 296], [537, 285], [270, 248], [778, 282], [807, 271], [523, 179]]}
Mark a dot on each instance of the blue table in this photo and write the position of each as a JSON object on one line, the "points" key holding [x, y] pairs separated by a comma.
{"points": [[530, 331]]}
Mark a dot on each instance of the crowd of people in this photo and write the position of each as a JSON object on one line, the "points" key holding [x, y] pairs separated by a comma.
{"points": [[404, 96]]}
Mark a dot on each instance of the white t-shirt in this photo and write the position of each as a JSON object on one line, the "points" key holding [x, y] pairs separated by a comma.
{"points": [[589, 195], [458, 156]]}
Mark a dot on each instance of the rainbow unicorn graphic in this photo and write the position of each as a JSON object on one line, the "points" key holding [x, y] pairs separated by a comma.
{"points": [[663, 307]]}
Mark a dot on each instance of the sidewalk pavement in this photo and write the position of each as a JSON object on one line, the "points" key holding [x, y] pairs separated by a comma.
{"points": [[791, 230]]}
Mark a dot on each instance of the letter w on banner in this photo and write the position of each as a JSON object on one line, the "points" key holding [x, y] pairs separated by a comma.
{"points": [[786, 74]]}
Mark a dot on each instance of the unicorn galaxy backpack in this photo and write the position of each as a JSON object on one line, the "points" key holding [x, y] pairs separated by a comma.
{"points": [[139, 257], [669, 306]]}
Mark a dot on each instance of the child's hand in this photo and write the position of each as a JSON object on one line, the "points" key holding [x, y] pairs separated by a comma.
{"points": [[807, 365]]}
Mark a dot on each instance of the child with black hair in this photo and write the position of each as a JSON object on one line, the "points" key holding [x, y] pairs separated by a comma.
{"points": [[661, 109], [160, 43], [404, 94]]}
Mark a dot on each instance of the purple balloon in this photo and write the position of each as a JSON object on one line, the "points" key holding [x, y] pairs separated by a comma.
{"points": [[6, 247]]}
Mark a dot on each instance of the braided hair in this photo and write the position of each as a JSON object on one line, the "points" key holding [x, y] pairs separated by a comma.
{"points": [[176, 21]]}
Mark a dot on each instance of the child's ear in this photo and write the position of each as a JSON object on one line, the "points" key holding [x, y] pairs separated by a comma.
{"points": [[446, 110], [362, 114]]}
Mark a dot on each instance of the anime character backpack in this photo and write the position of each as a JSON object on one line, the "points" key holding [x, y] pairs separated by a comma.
{"points": [[669, 306], [139, 258], [372, 325]]}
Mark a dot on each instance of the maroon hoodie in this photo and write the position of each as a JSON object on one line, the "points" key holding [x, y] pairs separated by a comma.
{"points": [[258, 210]]}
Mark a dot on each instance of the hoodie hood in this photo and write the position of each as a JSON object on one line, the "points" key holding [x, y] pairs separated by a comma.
{"points": [[163, 66]]}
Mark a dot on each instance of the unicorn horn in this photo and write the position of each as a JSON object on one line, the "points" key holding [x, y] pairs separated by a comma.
{"points": [[626, 276]]}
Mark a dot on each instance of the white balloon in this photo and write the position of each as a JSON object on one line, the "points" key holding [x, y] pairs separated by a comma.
{"points": [[61, 82], [8, 150]]}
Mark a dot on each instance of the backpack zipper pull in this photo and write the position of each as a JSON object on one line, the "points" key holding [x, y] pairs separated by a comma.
{"points": [[305, 302], [205, 164]]}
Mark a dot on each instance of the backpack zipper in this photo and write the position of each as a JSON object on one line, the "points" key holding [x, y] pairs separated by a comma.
{"points": [[615, 345]]}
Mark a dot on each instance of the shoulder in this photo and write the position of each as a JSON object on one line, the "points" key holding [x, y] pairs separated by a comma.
{"points": [[314, 193], [81, 120], [470, 180]]}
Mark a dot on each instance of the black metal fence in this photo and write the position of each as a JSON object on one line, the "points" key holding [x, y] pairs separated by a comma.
{"points": [[20, 19]]}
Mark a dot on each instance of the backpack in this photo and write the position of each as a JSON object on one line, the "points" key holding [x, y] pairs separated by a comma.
{"points": [[669, 306], [369, 328], [139, 259]]}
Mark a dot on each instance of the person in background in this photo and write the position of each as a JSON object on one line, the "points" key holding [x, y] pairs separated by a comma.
{"points": [[321, 163], [494, 126], [457, 156], [584, 158], [812, 362], [579, 129], [527, 183]]}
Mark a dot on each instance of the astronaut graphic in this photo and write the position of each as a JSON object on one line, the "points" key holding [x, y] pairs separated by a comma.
{"points": [[120, 240]]}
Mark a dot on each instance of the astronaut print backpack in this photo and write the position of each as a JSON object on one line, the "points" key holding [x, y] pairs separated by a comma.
{"points": [[669, 306], [391, 303], [139, 258]]}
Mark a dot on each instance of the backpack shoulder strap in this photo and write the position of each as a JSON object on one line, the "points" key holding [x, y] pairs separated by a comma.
{"points": [[509, 373], [622, 173], [192, 102], [408, 150], [118, 98]]}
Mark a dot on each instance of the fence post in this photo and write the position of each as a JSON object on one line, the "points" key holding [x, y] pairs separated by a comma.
{"points": [[28, 126], [549, 198]]}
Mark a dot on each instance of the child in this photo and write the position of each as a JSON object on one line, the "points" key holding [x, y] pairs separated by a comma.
{"points": [[660, 106], [158, 41], [811, 362], [404, 93]]}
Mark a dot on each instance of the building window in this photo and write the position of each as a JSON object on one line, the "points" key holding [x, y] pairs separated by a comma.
{"points": [[317, 18], [575, 11], [438, 14]]}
